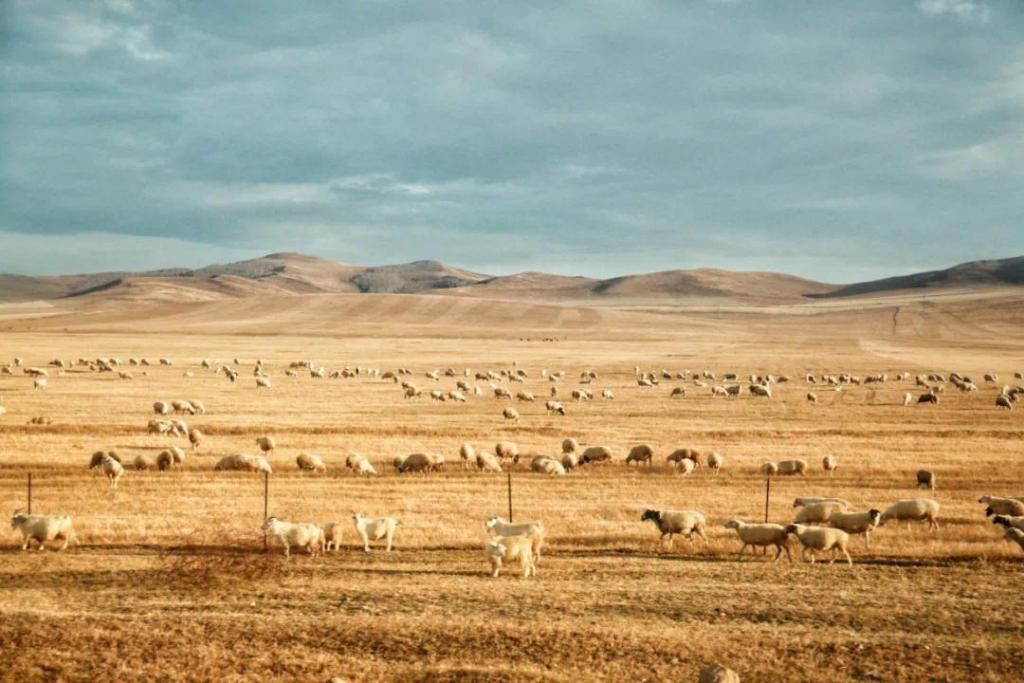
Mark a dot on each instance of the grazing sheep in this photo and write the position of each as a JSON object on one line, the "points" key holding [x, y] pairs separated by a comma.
{"points": [[39, 383], [545, 464], [641, 454], [715, 673], [769, 469], [195, 437], [815, 539], [595, 454], [419, 462], [507, 450], [913, 510], [1014, 535], [42, 529], [504, 548], [510, 414], [683, 454], [161, 408], [198, 406], [467, 453], [926, 479], [360, 464], [830, 463], [1016, 522], [672, 522], [309, 536], [678, 391], [266, 444], [309, 462], [857, 523], [929, 397], [261, 382], [332, 535], [555, 407], [761, 535], [715, 462], [570, 461], [165, 461], [811, 500], [608, 395], [685, 466], [243, 463], [999, 505], [110, 465], [812, 397], [497, 526], [908, 399], [1004, 401], [570, 445], [761, 390], [817, 513], [182, 407], [374, 529], [792, 467], [144, 462], [487, 462]]}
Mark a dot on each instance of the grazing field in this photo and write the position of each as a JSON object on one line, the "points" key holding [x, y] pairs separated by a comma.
{"points": [[169, 580]]}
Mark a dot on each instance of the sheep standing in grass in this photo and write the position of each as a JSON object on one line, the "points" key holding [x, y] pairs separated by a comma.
{"points": [[810, 500], [374, 529], [817, 513], [360, 464], [715, 462], [416, 462], [110, 465], [507, 451], [266, 444], [309, 462], [830, 464], [686, 466], [144, 462], [820, 539], [502, 548], [641, 454], [999, 505], [332, 536], [595, 454], [1014, 535], [42, 529], [793, 467], [467, 454], [908, 399], [308, 536], [498, 526], [545, 464], [39, 383], [510, 415], [926, 479], [161, 408], [1017, 522], [261, 382], [857, 523], [672, 522], [769, 469], [570, 445], [243, 463], [913, 510], [761, 535]]}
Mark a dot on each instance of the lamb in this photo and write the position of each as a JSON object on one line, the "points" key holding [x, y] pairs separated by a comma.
{"points": [[715, 462], [502, 548], [42, 528], [195, 437], [816, 539], [545, 464], [110, 465], [913, 510], [507, 450], [818, 513], [926, 479], [641, 454], [308, 536], [1016, 522], [510, 414], [761, 535], [998, 505], [332, 535], [309, 462], [360, 464], [810, 500], [671, 522], [375, 528], [829, 463], [715, 673], [266, 444], [857, 523], [791, 467], [161, 408], [595, 454], [498, 526]]}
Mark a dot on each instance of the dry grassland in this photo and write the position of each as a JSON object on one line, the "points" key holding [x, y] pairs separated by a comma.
{"points": [[169, 581]]}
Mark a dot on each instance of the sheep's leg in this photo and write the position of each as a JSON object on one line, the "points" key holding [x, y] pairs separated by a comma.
{"points": [[933, 524], [848, 559], [391, 535], [67, 539], [867, 539], [778, 554], [739, 555], [788, 556]]}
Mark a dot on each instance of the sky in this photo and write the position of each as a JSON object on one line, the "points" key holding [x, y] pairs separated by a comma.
{"points": [[840, 141]]}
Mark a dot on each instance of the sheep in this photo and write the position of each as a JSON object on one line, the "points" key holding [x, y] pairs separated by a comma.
{"points": [[487, 462], [502, 548], [929, 397], [244, 463], [570, 461], [998, 505], [144, 462], [416, 462], [817, 513], [375, 528], [510, 414], [570, 445], [678, 391], [761, 390], [1015, 521], [554, 407], [360, 464], [671, 522], [811, 500], [309, 536], [161, 408], [182, 407], [261, 382], [309, 462], [683, 454], [198, 406], [908, 399], [913, 510], [1004, 401], [526, 396], [1015, 535], [791, 467], [641, 454], [498, 526], [829, 463], [715, 673], [266, 444], [595, 454], [467, 453], [42, 528], [110, 465], [856, 522], [39, 383], [507, 450], [686, 466], [761, 535], [332, 535], [545, 464], [816, 539], [769, 469], [926, 479], [125, 375], [715, 462], [179, 428], [166, 460], [195, 437], [502, 392]]}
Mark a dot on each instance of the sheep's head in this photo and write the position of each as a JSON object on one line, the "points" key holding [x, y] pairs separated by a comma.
{"points": [[18, 519], [989, 511], [793, 528], [1001, 520], [875, 516], [358, 517], [652, 515], [985, 499], [733, 524], [270, 523], [97, 459]]}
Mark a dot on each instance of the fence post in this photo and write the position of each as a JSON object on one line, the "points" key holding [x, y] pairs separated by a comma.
{"points": [[266, 504], [509, 496], [767, 496], [30, 493]]}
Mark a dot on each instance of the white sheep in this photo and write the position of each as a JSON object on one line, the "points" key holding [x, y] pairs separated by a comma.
{"points": [[195, 437], [375, 528], [198, 406], [769, 469], [266, 444], [309, 536], [595, 454], [507, 450], [686, 466], [640, 454], [1014, 535], [109, 465], [1000, 505], [498, 526], [261, 382], [792, 467], [310, 462], [39, 383], [332, 535], [817, 513], [180, 406], [360, 464], [715, 462], [570, 445], [815, 539], [810, 500], [761, 535], [913, 510], [467, 454], [545, 464], [502, 548], [671, 522], [487, 461], [830, 463], [161, 408], [510, 414], [244, 463], [42, 529], [856, 522]]}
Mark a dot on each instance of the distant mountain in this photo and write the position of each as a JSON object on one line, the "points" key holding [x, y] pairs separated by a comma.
{"points": [[970, 274]]}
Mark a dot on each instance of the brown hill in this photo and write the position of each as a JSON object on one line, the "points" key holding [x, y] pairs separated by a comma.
{"points": [[970, 274]]}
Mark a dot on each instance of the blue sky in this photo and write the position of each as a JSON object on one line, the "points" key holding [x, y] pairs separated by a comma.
{"points": [[836, 140]]}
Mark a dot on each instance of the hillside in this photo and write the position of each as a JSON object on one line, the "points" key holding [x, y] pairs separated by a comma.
{"points": [[970, 274]]}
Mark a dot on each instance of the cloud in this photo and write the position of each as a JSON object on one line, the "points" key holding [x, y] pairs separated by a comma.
{"points": [[965, 10]]}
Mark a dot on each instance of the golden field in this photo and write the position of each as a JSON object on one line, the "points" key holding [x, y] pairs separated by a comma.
{"points": [[169, 581]]}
